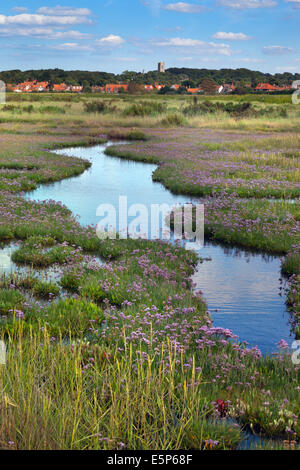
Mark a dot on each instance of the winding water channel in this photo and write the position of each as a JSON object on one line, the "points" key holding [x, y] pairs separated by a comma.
{"points": [[242, 289]]}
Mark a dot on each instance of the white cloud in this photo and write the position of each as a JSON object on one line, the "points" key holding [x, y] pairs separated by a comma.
{"points": [[277, 50], [170, 29], [42, 32], [296, 3], [126, 59], [110, 41], [103, 45], [231, 36], [68, 34], [182, 7], [195, 44], [71, 46], [287, 69], [20, 9], [155, 6], [27, 19], [247, 4], [64, 11], [249, 60]]}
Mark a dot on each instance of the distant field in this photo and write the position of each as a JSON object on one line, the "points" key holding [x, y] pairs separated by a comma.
{"points": [[260, 98], [265, 112]]}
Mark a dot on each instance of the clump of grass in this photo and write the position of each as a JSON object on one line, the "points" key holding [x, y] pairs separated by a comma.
{"points": [[203, 434], [71, 317], [11, 300], [120, 134], [5, 233], [293, 302], [136, 135], [93, 290], [42, 252], [205, 107], [71, 281], [173, 120], [52, 110], [144, 108], [45, 290], [10, 108], [18, 109], [291, 264], [243, 109], [26, 283], [99, 107], [269, 418], [28, 109]]}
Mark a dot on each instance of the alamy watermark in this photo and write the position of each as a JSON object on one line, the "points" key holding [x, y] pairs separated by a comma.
{"points": [[296, 86], [2, 353], [153, 222], [2, 92]]}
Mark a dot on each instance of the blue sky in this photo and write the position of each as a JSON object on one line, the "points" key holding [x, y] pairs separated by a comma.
{"points": [[118, 35]]}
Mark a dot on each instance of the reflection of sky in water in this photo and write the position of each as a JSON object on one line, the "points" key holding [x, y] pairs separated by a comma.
{"points": [[243, 288], [5, 261], [6, 264]]}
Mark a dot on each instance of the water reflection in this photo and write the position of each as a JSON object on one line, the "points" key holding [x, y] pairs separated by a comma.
{"points": [[244, 292]]}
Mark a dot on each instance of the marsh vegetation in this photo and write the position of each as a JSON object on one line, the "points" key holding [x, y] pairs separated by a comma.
{"points": [[122, 353]]}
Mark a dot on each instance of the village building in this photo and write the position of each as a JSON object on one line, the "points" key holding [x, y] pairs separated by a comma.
{"points": [[194, 91], [76, 88], [112, 88], [269, 87], [98, 89], [60, 87], [149, 87], [228, 88], [29, 87]]}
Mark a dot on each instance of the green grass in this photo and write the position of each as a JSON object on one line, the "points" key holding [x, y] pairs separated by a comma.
{"points": [[291, 264], [273, 112], [82, 396], [72, 318], [10, 301], [42, 252]]}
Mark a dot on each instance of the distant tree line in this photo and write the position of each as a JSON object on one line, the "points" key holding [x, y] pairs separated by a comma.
{"points": [[185, 76], [240, 77]]}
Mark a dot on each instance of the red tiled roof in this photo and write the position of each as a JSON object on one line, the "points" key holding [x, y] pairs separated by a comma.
{"points": [[112, 87], [60, 87], [265, 86], [194, 90]]}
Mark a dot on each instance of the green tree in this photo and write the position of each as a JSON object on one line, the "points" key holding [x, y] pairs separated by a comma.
{"points": [[134, 88], [209, 86]]}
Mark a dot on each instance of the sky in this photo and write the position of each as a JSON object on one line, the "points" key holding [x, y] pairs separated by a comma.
{"points": [[118, 35]]}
